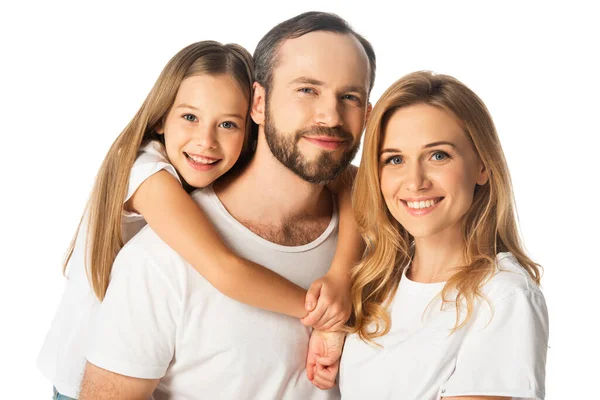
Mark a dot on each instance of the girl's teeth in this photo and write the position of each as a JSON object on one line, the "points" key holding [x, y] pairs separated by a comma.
{"points": [[201, 160], [421, 204]]}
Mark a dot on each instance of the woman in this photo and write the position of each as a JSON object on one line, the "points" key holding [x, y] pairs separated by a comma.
{"points": [[446, 302]]}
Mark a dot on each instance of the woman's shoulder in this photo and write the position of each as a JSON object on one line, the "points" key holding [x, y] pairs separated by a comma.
{"points": [[509, 278]]}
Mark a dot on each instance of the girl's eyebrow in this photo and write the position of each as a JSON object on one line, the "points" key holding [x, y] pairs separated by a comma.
{"points": [[231, 115]]}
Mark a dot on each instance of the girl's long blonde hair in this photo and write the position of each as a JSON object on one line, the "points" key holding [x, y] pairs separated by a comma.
{"points": [[105, 206], [489, 227]]}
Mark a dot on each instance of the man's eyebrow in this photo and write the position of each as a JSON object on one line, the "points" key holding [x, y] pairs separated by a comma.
{"points": [[307, 81], [357, 89], [304, 80]]}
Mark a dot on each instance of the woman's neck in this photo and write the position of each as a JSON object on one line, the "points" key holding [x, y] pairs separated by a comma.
{"points": [[436, 257]]}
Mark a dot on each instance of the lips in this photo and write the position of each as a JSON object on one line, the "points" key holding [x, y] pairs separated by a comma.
{"points": [[326, 142]]}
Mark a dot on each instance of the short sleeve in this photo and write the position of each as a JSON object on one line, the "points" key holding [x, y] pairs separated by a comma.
{"points": [[134, 329], [504, 356], [151, 158]]}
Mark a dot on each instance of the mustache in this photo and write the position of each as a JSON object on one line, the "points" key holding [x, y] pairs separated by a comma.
{"points": [[336, 132]]}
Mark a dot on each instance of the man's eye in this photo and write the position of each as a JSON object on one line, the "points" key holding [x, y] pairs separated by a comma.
{"points": [[190, 117], [306, 90], [350, 97]]}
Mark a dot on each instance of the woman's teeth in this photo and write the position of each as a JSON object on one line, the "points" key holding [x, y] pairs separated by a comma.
{"points": [[417, 205]]}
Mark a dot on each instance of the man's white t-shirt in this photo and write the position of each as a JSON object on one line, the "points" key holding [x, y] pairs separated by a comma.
{"points": [[501, 351], [161, 319], [62, 357]]}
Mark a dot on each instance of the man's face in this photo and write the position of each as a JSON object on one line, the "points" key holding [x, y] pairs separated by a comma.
{"points": [[315, 110]]}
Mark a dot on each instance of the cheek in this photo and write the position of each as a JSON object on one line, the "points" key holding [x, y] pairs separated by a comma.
{"points": [[458, 181], [390, 184], [231, 144]]}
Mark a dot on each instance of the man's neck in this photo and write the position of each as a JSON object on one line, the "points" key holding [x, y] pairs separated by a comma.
{"points": [[274, 202]]}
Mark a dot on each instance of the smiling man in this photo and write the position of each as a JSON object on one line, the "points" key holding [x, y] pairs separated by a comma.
{"points": [[313, 77]]}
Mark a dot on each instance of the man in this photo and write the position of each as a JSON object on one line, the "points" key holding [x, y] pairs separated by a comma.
{"points": [[162, 329]]}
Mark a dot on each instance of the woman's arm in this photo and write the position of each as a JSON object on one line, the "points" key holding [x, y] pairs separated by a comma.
{"points": [[181, 224], [331, 294]]}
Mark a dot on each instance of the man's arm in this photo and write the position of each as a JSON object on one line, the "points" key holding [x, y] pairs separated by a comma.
{"points": [[100, 384]]}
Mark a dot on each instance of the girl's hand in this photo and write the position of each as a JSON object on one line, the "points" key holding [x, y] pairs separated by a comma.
{"points": [[328, 302], [323, 359]]}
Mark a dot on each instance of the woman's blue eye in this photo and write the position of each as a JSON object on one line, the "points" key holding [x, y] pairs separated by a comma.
{"points": [[394, 160], [228, 125], [189, 117], [439, 156]]}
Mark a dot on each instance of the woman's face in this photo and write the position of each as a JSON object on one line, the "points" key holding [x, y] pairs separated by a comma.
{"points": [[429, 170]]}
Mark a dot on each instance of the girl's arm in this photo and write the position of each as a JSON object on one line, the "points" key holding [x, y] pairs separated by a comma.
{"points": [[181, 224], [331, 293]]}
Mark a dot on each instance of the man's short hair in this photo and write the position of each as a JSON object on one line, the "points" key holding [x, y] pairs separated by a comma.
{"points": [[266, 53]]}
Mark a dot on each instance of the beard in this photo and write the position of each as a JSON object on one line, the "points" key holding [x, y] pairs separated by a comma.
{"points": [[324, 168]]}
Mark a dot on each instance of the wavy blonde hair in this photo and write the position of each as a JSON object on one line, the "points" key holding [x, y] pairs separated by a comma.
{"points": [[105, 206], [489, 227]]}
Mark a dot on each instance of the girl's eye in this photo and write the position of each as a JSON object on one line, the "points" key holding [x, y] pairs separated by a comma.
{"points": [[228, 125], [440, 156], [190, 117], [394, 160]]}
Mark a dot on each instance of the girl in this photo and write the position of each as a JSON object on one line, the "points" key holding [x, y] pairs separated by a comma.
{"points": [[190, 130], [445, 285]]}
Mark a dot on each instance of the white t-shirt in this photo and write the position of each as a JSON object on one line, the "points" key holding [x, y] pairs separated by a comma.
{"points": [[161, 319], [62, 357], [420, 360]]}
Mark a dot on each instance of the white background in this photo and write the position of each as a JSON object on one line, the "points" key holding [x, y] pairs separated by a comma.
{"points": [[72, 76]]}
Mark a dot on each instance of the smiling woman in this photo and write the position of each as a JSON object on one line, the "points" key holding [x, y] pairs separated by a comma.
{"points": [[445, 285]]}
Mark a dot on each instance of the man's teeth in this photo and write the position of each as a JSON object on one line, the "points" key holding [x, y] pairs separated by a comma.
{"points": [[202, 160], [421, 204]]}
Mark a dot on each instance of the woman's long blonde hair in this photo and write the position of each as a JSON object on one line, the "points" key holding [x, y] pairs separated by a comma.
{"points": [[489, 227], [105, 206]]}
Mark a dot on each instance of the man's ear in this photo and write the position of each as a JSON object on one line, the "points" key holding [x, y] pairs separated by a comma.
{"points": [[368, 114], [257, 112]]}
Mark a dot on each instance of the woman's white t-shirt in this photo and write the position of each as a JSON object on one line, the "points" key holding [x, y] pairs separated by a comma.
{"points": [[62, 357], [501, 351]]}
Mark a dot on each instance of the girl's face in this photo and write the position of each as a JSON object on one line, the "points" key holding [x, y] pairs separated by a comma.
{"points": [[204, 129], [429, 170]]}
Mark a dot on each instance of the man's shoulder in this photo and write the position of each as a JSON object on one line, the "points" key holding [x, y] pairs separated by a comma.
{"points": [[148, 256]]}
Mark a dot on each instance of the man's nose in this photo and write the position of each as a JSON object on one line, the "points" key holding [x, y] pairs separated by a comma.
{"points": [[329, 112]]}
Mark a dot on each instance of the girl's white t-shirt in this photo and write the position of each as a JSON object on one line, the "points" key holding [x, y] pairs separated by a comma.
{"points": [[62, 357], [501, 351]]}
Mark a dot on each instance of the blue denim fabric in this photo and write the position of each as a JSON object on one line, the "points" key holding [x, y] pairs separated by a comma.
{"points": [[58, 396]]}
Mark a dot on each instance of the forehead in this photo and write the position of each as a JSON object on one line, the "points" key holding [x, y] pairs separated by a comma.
{"points": [[418, 125], [333, 58], [217, 91]]}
